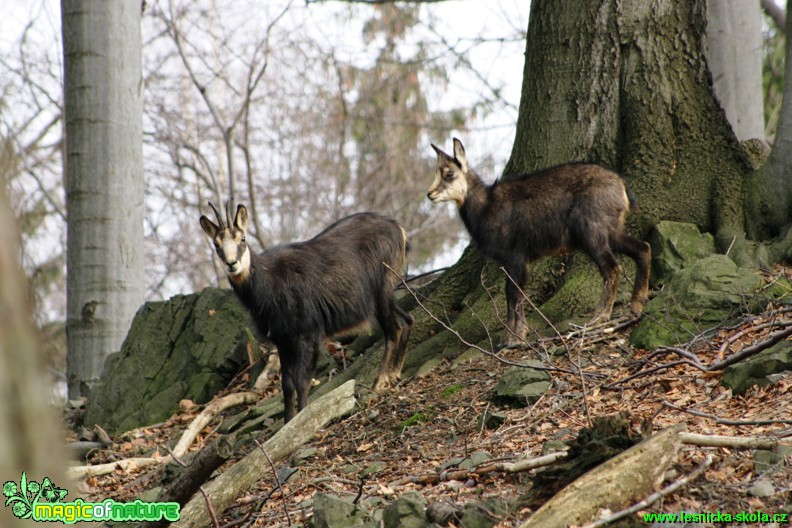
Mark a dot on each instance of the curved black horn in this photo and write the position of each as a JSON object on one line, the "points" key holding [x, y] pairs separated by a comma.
{"points": [[217, 215], [229, 211]]}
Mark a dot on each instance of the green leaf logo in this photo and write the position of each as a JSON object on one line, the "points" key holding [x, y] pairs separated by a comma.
{"points": [[23, 498]]}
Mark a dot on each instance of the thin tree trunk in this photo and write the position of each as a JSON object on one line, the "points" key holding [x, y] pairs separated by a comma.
{"points": [[104, 181], [769, 193], [734, 53]]}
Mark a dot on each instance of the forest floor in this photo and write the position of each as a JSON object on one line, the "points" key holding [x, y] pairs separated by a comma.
{"points": [[397, 442]]}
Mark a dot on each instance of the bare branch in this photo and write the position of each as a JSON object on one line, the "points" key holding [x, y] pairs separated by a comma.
{"points": [[775, 12]]}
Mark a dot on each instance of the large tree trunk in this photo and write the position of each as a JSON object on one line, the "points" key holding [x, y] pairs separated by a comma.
{"points": [[104, 180], [626, 84], [623, 83]]}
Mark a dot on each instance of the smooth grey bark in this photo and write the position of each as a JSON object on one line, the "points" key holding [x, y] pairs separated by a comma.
{"points": [[769, 193], [104, 180], [734, 53]]}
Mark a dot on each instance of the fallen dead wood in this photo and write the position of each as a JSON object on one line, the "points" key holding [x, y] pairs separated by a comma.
{"points": [[194, 475], [127, 464], [723, 421], [654, 497], [214, 408], [735, 442], [622, 480], [131, 464], [460, 474], [222, 491]]}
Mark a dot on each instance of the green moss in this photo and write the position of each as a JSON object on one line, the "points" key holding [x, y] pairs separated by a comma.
{"points": [[414, 420], [451, 390]]}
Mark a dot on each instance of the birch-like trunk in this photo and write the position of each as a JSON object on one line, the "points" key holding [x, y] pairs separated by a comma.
{"points": [[104, 180], [734, 53]]}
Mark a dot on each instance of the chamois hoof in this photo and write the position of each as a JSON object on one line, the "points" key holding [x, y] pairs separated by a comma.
{"points": [[599, 318], [384, 382], [636, 307]]}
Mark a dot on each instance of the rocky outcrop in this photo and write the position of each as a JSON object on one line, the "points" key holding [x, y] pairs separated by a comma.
{"points": [[188, 347]]}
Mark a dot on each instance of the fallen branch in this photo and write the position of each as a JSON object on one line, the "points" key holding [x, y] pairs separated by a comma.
{"points": [[127, 464], [222, 491], [735, 442], [723, 421], [214, 408], [623, 479], [131, 464], [462, 474], [752, 350], [654, 497], [690, 359], [190, 480]]}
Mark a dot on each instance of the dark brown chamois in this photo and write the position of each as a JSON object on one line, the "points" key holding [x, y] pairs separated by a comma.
{"points": [[335, 283], [549, 212]]}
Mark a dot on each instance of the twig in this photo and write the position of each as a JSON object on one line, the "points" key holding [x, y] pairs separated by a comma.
{"points": [[277, 481], [654, 497], [751, 350], [723, 421], [536, 308], [210, 508], [465, 342], [361, 485], [461, 474]]}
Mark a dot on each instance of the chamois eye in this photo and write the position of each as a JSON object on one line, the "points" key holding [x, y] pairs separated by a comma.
{"points": [[448, 175], [243, 238]]}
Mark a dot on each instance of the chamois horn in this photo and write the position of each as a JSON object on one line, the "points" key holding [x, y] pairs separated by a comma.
{"points": [[229, 206], [217, 215]]}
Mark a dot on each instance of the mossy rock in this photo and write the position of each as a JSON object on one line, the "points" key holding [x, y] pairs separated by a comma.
{"points": [[759, 370], [675, 246], [408, 511], [333, 512], [521, 386], [188, 347], [703, 295]]}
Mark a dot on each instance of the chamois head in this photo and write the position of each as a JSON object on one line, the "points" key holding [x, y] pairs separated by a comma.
{"points": [[450, 181], [229, 239]]}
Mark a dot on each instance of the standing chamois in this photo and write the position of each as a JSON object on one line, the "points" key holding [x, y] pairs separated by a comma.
{"points": [[335, 283], [550, 212]]}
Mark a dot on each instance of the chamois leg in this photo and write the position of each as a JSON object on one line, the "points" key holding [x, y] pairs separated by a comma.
{"points": [[306, 363], [641, 253], [516, 328], [405, 323], [610, 270], [389, 317], [288, 359]]}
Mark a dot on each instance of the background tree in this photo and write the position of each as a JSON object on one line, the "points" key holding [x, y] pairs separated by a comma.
{"points": [[734, 54], [645, 107], [29, 439], [769, 197], [104, 181]]}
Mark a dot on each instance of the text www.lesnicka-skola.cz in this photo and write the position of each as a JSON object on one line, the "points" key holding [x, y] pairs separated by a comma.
{"points": [[717, 517]]}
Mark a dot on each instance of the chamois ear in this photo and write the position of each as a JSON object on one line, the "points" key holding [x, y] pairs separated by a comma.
{"points": [[440, 153], [209, 227], [241, 218], [459, 155]]}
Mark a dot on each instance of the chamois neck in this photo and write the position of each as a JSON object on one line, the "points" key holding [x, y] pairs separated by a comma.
{"points": [[476, 200]]}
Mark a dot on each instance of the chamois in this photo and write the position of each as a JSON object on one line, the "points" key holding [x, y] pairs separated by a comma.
{"points": [[549, 212], [301, 293]]}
